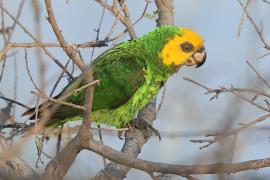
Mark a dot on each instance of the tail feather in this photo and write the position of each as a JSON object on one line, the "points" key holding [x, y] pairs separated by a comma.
{"points": [[31, 112], [28, 112]]}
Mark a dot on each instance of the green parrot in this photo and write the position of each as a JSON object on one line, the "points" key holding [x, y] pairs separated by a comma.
{"points": [[131, 74]]}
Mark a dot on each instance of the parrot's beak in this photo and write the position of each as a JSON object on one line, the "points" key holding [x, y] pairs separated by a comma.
{"points": [[197, 58]]}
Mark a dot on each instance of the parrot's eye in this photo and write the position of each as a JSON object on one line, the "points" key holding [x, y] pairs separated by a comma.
{"points": [[187, 46]]}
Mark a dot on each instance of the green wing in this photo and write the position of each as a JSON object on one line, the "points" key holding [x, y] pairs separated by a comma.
{"points": [[120, 73]]}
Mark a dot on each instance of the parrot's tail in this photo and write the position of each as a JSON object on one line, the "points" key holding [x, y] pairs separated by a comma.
{"points": [[31, 112], [32, 128]]}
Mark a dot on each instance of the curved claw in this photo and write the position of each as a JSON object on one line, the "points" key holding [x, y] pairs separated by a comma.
{"points": [[120, 135]]}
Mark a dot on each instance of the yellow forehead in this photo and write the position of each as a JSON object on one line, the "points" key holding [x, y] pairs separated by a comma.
{"points": [[172, 54]]}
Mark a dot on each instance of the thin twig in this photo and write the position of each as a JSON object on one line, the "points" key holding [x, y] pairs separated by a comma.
{"points": [[258, 30], [262, 56], [126, 30], [242, 19], [59, 139], [70, 51], [258, 74], [125, 20], [36, 40], [49, 45], [12, 28], [236, 131], [67, 156], [15, 82], [101, 140], [15, 102], [79, 89], [28, 70], [197, 83], [58, 101], [162, 99], [234, 91], [267, 2], [98, 30], [4, 34], [58, 80]]}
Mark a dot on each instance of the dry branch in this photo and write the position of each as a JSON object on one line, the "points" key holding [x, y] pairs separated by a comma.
{"points": [[235, 91], [70, 51], [257, 29], [59, 166], [124, 19], [182, 170], [36, 40], [15, 167]]}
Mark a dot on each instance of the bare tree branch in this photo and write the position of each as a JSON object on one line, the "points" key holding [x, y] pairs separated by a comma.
{"points": [[124, 19], [258, 30], [14, 168], [182, 170], [59, 166], [36, 40], [258, 74]]}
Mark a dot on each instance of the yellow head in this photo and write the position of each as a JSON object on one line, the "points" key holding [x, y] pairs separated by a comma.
{"points": [[184, 48]]}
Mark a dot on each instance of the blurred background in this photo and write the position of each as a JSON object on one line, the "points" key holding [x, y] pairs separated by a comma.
{"points": [[186, 112]]}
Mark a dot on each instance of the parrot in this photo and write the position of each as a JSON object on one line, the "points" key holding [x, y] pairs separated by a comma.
{"points": [[131, 74]]}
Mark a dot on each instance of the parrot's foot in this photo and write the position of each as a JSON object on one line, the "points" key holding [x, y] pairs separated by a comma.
{"points": [[142, 125], [121, 133], [155, 131]]}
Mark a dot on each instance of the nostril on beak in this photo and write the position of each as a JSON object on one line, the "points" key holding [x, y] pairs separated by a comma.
{"points": [[202, 61], [201, 50]]}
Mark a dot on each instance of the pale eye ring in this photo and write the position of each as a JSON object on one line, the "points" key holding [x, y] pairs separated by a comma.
{"points": [[186, 46]]}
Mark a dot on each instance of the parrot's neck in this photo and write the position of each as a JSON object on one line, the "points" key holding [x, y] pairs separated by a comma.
{"points": [[150, 46]]}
